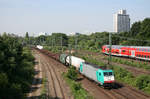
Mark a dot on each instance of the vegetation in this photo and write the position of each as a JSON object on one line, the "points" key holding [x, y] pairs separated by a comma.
{"points": [[72, 73], [77, 90], [16, 68], [144, 65], [43, 92], [56, 49], [137, 36]]}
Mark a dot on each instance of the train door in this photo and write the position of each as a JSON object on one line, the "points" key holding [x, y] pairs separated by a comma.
{"points": [[100, 78], [120, 52], [132, 53], [81, 67]]}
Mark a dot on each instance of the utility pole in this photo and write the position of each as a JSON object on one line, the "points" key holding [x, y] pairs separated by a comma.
{"points": [[110, 45], [52, 42], [61, 44], [76, 42], [69, 54]]}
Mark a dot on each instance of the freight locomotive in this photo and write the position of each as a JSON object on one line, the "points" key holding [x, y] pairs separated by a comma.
{"points": [[96, 73], [138, 52]]}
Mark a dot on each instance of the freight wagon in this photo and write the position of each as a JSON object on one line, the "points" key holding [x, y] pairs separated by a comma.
{"points": [[75, 61]]}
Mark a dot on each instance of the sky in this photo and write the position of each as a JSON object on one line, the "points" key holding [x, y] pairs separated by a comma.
{"points": [[65, 16]]}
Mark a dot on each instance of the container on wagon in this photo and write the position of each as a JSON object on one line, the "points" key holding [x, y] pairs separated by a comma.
{"points": [[62, 58], [75, 61], [39, 47]]}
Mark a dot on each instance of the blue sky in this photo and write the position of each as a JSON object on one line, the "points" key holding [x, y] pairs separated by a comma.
{"points": [[34, 16]]}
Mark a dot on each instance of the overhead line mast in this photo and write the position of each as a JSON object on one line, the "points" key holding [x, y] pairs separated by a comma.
{"points": [[110, 45]]}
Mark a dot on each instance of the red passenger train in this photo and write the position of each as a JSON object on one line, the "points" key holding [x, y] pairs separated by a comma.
{"points": [[139, 52]]}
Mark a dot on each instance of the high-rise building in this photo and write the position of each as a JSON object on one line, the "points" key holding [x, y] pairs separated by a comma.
{"points": [[121, 22]]}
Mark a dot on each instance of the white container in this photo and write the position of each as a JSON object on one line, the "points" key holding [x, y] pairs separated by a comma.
{"points": [[75, 61], [39, 47]]}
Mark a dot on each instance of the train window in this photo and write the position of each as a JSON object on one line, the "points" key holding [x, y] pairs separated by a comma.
{"points": [[145, 56], [123, 50]]}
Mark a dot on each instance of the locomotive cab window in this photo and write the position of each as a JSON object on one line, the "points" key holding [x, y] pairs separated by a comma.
{"points": [[108, 74]]}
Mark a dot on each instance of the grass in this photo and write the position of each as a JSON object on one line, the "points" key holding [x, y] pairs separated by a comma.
{"points": [[43, 92], [140, 64], [76, 88]]}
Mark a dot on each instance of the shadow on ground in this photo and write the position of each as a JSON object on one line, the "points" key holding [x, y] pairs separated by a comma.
{"points": [[114, 86], [43, 97], [37, 81]]}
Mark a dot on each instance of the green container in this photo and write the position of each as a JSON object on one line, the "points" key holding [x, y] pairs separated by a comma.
{"points": [[62, 58]]}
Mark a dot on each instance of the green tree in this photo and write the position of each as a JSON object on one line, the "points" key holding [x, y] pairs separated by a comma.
{"points": [[145, 29], [135, 29], [16, 68]]}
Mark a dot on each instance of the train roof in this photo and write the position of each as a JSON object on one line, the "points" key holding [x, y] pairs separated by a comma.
{"points": [[96, 66], [120, 46]]}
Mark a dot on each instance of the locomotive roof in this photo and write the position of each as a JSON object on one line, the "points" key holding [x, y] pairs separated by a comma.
{"points": [[96, 66]]}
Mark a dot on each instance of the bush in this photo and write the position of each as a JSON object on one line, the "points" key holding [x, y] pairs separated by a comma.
{"points": [[141, 64], [76, 86], [72, 73], [142, 81], [77, 90]]}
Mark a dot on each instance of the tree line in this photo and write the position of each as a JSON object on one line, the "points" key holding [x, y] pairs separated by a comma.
{"points": [[16, 68], [139, 35]]}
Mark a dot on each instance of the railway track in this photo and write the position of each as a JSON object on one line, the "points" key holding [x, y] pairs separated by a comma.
{"points": [[55, 87], [55, 90], [123, 92]]}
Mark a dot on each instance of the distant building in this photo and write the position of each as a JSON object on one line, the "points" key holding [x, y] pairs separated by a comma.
{"points": [[42, 33], [121, 22], [74, 33]]}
